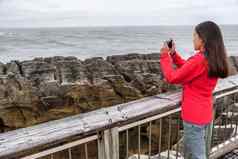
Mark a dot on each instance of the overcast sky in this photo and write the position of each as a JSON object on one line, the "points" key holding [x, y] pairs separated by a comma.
{"points": [[51, 13]]}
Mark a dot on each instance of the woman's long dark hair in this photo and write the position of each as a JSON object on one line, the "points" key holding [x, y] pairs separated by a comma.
{"points": [[215, 49]]}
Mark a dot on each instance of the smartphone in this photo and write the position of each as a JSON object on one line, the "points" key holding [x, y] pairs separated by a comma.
{"points": [[170, 43]]}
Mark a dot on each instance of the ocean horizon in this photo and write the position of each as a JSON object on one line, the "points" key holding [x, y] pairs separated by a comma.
{"points": [[100, 41]]}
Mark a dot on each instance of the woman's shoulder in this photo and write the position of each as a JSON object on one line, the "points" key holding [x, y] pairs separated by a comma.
{"points": [[198, 56], [198, 60]]}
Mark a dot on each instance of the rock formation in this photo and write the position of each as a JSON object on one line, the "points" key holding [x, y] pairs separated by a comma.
{"points": [[44, 89]]}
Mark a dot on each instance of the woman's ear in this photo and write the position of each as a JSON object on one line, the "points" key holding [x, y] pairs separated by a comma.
{"points": [[200, 43]]}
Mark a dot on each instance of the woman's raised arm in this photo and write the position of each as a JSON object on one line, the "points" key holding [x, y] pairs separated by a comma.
{"points": [[177, 59]]}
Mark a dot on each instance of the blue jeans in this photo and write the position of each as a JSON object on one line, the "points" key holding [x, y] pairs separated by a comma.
{"points": [[196, 140]]}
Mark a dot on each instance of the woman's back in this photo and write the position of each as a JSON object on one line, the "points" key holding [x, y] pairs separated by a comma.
{"points": [[197, 96]]}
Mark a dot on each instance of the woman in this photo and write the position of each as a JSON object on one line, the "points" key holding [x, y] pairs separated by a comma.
{"points": [[198, 75]]}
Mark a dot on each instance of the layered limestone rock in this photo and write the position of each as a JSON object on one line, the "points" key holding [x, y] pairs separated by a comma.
{"points": [[45, 89]]}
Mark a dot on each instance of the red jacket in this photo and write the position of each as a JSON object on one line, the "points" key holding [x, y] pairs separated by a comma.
{"points": [[192, 74]]}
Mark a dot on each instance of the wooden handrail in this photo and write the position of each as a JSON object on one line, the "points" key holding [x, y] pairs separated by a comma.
{"points": [[23, 141]]}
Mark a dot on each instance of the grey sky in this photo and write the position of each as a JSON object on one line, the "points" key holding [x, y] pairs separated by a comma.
{"points": [[40, 13]]}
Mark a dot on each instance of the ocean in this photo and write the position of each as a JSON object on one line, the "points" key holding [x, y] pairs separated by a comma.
{"points": [[85, 42]]}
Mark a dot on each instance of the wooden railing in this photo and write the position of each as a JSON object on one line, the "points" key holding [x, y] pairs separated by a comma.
{"points": [[150, 127]]}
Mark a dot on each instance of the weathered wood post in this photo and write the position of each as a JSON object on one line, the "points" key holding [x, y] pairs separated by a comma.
{"points": [[108, 145], [101, 147]]}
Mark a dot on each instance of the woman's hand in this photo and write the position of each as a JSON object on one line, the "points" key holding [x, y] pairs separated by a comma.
{"points": [[165, 49], [172, 50]]}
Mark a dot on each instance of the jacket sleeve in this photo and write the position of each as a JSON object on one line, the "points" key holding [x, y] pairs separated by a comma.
{"points": [[191, 69], [178, 60]]}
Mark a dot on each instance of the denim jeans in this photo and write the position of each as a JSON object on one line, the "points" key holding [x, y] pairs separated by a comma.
{"points": [[196, 140]]}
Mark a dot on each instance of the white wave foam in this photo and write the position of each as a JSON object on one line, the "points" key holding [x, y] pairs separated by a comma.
{"points": [[2, 33]]}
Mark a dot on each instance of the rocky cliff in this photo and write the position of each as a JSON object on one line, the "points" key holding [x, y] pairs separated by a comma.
{"points": [[45, 89]]}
